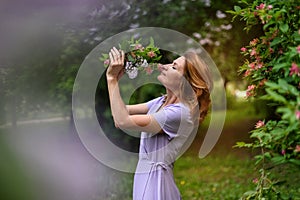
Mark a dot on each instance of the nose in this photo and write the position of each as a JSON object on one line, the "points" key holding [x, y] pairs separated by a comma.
{"points": [[162, 67]]}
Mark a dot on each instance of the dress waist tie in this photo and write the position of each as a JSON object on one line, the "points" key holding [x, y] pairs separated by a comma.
{"points": [[154, 167]]}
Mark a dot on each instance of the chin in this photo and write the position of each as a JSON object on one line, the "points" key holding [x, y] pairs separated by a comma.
{"points": [[159, 78]]}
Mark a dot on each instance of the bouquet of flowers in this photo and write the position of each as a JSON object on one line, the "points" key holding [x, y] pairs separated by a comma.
{"points": [[137, 57]]}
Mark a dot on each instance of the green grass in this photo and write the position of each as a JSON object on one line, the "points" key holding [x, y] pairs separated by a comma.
{"points": [[14, 182], [214, 177]]}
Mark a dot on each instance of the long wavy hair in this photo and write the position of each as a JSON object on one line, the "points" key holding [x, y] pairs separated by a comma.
{"points": [[198, 78]]}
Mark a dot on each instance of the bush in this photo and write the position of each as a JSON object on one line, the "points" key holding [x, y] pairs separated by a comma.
{"points": [[272, 68]]}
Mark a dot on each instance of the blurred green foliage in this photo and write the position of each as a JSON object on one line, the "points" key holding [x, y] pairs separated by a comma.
{"points": [[14, 183]]}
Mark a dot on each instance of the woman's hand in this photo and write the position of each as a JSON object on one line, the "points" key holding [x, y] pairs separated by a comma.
{"points": [[116, 64]]}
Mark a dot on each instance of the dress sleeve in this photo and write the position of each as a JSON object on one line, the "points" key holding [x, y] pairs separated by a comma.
{"points": [[154, 101], [171, 117]]}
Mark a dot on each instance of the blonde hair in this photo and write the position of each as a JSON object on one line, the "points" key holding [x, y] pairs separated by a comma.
{"points": [[198, 77]]}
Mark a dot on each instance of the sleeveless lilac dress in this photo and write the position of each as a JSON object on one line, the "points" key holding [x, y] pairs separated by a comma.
{"points": [[153, 178]]}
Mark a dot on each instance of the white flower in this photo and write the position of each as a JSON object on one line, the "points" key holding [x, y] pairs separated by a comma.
{"points": [[197, 35], [226, 27], [145, 63], [132, 74], [128, 65], [217, 43], [207, 24], [220, 14]]}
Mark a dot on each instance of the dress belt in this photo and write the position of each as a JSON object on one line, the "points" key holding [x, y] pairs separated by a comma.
{"points": [[154, 167]]}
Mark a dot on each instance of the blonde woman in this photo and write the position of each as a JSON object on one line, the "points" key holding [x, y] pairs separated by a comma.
{"points": [[166, 123]]}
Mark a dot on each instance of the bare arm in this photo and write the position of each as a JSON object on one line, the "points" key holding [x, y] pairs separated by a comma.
{"points": [[137, 109], [126, 117]]}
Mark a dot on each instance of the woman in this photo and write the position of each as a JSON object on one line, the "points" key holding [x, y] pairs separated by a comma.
{"points": [[166, 123]]}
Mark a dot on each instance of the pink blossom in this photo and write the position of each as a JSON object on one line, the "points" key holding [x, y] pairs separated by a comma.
{"points": [[271, 50], [262, 20], [269, 7], [252, 65], [254, 42], [151, 54], [294, 69], [261, 6], [283, 152], [249, 91], [259, 124], [298, 114], [148, 70], [247, 73], [257, 58], [255, 181], [259, 65], [297, 148], [298, 48], [138, 47], [243, 49], [251, 87], [280, 51], [253, 52], [262, 82], [106, 62]]}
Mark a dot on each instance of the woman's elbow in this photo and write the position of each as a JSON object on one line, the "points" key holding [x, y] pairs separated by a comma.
{"points": [[122, 125]]}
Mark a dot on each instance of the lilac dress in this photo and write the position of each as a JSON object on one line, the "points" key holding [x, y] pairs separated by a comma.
{"points": [[153, 178]]}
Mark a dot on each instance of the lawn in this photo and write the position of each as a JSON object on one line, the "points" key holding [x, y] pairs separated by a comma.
{"points": [[215, 177]]}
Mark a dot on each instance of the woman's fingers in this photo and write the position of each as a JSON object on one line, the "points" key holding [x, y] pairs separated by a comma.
{"points": [[122, 56], [116, 65], [111, 58], [116, 55]]}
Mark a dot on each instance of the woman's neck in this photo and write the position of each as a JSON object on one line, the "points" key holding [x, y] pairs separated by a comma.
{"points": [[171, 98]]}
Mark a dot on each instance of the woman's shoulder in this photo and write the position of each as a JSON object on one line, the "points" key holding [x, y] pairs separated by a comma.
{"points": [[177, 110], [157, 100]]}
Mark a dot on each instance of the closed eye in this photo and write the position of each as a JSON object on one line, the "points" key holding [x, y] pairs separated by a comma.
{"points": [[174, 65]]}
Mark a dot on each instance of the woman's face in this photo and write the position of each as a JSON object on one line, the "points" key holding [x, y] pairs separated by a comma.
{"points": [[171, 74]]}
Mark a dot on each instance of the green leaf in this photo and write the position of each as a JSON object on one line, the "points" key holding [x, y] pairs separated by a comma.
{"points": [[287, 87], [151, 44], [279, 66], [284, 27], [294, 161], [276, 41], [249, 194], [296, 36], [272, 85], [278, 160], [275, 96], [237, 8], [242, 144], [268, 24], [287, 113]]}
